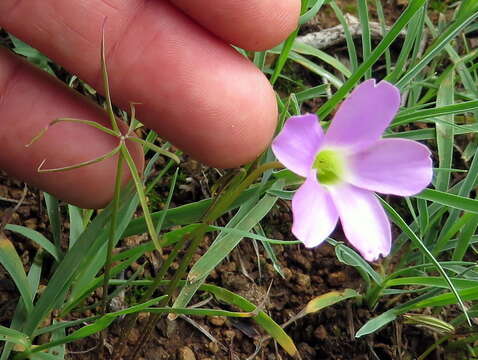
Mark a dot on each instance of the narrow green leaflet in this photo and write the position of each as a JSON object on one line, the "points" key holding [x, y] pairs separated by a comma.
{"points": [[323, 301], [377, 323], [14, 336], [185, 214], [445, 37], [348, 256], [447, 199], [468, 294], [432, 281], [284, 55], [76, 224], [444, 132], [418, 115], [309, 14], [68, 268], [304, 49], [94, 328], [348, 36], [199, 312], [262, 319], [20, 314], [429, 322], [53, 209], [366, 37], [397, 219], [13, 264], [221, 247], [36, 237], [390, 36]]}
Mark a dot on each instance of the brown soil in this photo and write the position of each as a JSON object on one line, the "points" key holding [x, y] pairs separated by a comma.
{"points": [[328, 334]]}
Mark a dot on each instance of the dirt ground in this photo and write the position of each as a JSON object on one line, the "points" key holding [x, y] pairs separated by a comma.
{"points": [[328, 334]]}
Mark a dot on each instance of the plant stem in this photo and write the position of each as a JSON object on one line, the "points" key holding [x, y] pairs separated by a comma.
{"points": [[230, 197], [142, 198], [111, 240]]}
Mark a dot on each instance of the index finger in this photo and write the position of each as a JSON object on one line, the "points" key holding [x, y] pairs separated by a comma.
{"points": [[195, 90], [252, 24]]}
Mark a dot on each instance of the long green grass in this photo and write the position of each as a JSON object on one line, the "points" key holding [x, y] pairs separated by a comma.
{"points": [[433, 261]]}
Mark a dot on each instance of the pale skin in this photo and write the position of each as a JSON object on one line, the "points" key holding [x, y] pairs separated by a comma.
{"points": [[173, 57]]}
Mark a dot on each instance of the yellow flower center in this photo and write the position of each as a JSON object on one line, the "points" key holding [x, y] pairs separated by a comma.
{"points": [[330, 167]]}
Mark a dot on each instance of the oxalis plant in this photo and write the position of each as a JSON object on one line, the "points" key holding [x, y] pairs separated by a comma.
{"points": [[330, 169]]}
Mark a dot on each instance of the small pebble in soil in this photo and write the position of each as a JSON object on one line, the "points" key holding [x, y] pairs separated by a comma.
{"points": [[142, 318], [217, 320], [133, 336], [303, 280], [306, 351], [287, 273], [213, 347], [185, 353], [302, 261], [213, 275], [326, 250], [31, 223], [321, 333], [229, 334], [230, 266], [337, 278]]}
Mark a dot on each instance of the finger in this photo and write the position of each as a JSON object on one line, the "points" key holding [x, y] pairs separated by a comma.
{"points": [[29, 100], [252, 25], [196, 91]]}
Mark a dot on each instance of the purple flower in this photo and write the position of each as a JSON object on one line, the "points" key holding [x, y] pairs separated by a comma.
{"points": [[347, 164]]}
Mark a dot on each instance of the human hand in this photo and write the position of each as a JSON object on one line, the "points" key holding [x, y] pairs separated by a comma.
{"points": [[195, 90]]}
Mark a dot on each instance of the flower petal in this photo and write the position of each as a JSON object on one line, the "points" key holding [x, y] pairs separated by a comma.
{"points": [[363, 219], [298, 142], [392, 166], [315, 216], [364, 115]]}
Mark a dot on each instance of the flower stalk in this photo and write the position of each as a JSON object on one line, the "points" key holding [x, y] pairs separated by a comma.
{"points": [[109, 253]]}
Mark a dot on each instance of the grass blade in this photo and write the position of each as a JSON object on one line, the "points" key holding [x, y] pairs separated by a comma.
{"points": [[447, 199], [397, 219], [37, 238], [53, 209], [366, 38], [221, 247], [438, 45], [348, 36], [58, 285], [444, 132], [262, 319], [391, 35], [284, 55], [13, 265]]}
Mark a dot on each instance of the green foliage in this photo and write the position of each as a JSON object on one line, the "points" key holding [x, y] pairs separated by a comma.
{"points": [[432, 262]]}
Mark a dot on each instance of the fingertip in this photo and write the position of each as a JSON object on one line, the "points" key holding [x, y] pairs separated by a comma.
{"points": [[243, 127], [254, 25], [269, 25]]}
